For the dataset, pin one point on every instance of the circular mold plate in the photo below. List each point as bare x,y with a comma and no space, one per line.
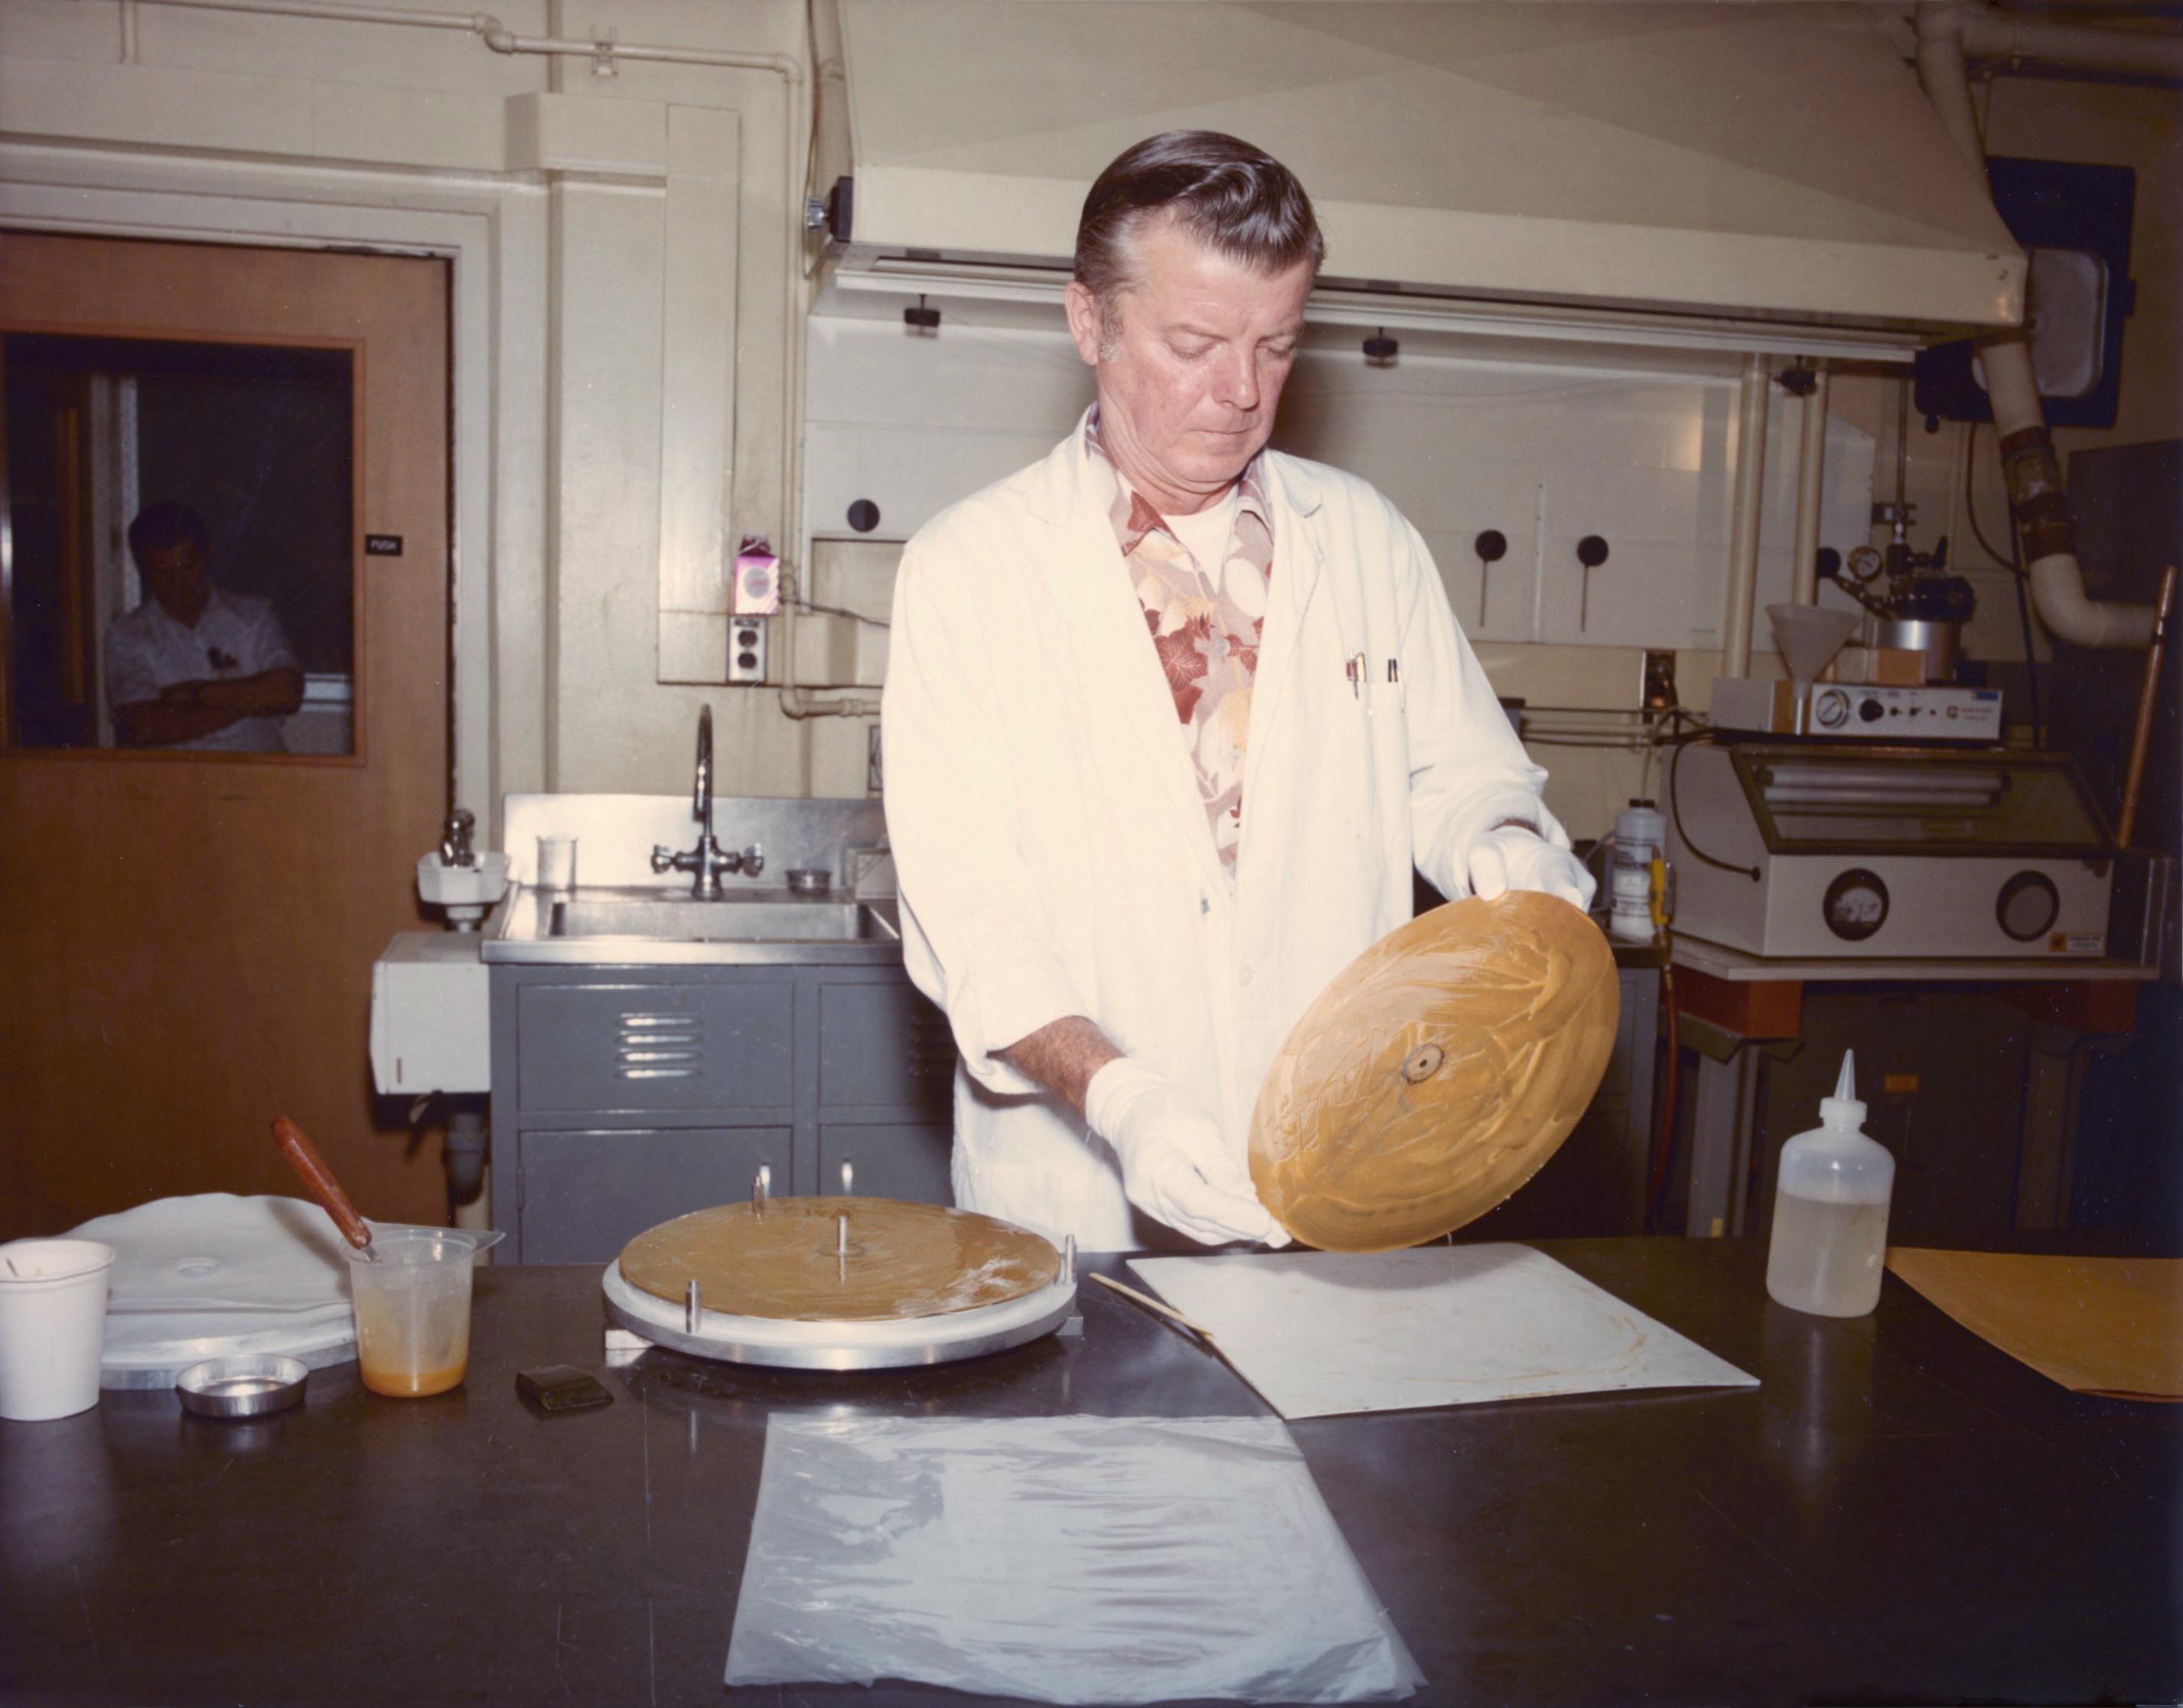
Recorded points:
1436,1074
839,1260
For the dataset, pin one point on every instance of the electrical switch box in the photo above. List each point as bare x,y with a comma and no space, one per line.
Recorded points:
431,1015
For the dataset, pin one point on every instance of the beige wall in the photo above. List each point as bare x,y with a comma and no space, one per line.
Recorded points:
2035,118
623,319
596,231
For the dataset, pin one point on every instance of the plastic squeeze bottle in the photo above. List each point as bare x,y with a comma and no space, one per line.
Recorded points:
1831,1210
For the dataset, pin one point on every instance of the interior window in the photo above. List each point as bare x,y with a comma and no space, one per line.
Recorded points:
175,545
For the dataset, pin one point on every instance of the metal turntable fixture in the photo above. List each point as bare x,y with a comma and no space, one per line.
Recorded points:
839,1283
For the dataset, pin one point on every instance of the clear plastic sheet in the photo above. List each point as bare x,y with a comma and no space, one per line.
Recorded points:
1061,1558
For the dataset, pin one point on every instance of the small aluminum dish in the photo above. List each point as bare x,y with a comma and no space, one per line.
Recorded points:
809,880
242,1386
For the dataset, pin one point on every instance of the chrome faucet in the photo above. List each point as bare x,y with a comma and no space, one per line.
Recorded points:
708,859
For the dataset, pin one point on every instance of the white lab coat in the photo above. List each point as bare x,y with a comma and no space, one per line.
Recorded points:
1054,856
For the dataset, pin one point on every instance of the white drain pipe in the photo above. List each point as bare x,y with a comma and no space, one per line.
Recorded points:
1743,523
2033,473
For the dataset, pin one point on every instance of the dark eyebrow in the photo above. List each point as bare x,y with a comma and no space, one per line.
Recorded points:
1190,332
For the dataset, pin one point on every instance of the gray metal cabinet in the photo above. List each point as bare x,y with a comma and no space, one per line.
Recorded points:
640,1046
584,1195
625,1096
889,1160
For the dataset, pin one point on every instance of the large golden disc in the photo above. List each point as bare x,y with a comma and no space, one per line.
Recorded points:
782,1258
1436,1074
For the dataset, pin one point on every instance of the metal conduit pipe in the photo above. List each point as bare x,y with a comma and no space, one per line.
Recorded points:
2033,473
1811,475
1743,538
1990,35
499,37
472,23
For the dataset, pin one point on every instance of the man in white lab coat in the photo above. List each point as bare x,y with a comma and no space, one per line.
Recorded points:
1169,718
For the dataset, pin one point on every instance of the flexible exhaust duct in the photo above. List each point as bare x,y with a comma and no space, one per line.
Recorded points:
2033,472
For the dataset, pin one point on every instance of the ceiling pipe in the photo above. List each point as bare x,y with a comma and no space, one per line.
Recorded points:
2017,40
2033,473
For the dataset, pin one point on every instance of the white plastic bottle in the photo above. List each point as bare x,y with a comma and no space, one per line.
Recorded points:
1831,1210
1640,832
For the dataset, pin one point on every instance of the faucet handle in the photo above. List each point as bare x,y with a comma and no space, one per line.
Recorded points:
753,860
455,842
663,858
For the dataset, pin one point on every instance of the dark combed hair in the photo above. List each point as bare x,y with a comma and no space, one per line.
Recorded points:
158,526
1231,197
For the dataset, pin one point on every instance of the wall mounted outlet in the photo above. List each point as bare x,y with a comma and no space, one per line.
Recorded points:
1657,692
746,649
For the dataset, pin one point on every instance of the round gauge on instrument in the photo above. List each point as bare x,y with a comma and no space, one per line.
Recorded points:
1830,708
1864,563
2027,906
1855,906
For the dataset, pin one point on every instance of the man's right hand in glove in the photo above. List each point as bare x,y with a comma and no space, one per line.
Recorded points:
1175,1165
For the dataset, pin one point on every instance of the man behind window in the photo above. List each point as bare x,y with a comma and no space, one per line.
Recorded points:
193,666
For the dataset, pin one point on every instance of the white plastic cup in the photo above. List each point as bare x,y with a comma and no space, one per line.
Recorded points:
556,861
53,1327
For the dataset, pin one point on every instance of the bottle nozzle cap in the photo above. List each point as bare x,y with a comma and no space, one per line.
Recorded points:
1843,1105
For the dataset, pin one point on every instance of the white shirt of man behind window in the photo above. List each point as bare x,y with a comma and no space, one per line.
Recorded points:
235,637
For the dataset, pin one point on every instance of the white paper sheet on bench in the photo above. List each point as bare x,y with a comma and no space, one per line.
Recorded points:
1320,1333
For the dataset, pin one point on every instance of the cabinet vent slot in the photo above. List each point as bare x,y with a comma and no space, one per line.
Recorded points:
661,1046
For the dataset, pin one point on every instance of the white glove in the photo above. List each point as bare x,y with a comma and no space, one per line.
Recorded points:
1175,1165
1516,857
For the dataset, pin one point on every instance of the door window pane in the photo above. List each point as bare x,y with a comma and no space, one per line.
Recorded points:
179,545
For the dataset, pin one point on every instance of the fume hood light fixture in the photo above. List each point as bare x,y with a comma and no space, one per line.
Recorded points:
1380,350
1626,331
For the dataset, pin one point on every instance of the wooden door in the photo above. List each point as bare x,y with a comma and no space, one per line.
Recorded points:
187,939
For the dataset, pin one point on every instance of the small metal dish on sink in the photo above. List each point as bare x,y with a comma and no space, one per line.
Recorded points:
809,880
242,1386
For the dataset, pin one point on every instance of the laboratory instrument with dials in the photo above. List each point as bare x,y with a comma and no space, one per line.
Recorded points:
1873,851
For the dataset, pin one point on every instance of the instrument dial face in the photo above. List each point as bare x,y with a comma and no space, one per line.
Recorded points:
2027,906
1855,906
1831,709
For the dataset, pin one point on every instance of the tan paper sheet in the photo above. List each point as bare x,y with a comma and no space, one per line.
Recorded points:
2096,1325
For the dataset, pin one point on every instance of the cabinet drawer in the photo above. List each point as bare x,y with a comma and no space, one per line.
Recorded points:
607,1048
586,1195
892,1160
883,1046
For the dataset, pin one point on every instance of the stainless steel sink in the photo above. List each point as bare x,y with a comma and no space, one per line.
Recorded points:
634,925
684,919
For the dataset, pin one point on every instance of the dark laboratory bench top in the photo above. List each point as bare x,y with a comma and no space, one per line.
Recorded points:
1899,1513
